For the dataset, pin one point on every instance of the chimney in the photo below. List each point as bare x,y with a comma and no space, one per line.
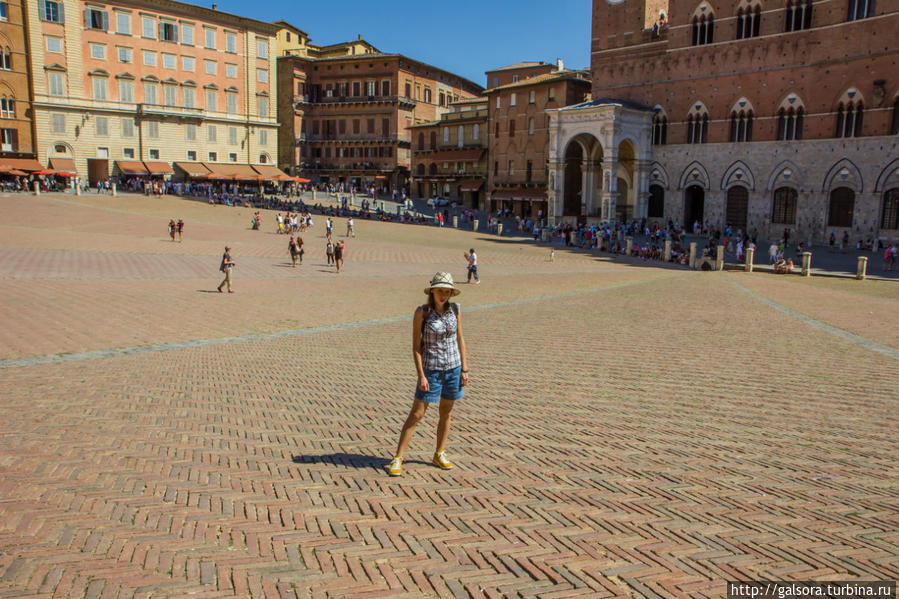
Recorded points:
560,66
215,7
360,37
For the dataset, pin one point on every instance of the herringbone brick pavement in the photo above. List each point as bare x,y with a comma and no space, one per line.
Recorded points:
637,432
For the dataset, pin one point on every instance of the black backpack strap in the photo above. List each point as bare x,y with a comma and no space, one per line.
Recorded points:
455,307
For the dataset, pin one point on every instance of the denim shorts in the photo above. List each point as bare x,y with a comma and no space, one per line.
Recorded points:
443,384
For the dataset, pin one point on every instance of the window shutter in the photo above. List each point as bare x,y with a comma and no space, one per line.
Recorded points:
105,21
87,17
175,32
14,137
42,9
159,35
62,12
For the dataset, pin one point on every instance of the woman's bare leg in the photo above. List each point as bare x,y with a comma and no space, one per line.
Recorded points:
415,415
443,426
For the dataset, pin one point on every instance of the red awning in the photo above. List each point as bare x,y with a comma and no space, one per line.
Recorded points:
472,185
193,169
63,164
131,167
159,168
22,164
473,155
271,173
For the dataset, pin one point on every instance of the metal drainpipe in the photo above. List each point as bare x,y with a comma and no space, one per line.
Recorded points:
23,7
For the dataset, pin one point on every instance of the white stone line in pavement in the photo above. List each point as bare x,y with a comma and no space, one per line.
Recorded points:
886,350
160,347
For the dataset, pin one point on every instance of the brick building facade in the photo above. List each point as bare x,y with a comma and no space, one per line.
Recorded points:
345,112
760,117
449,156
16,127
153,82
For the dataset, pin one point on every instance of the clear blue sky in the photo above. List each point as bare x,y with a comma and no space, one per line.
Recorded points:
465,37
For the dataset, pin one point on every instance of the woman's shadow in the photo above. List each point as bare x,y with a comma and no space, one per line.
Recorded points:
353,460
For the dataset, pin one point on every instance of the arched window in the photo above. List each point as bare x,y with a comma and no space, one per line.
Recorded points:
741,126
5,59
656,208
849,117
420,169
659,129
859,9
842,205
748,21
432,170
784,209
890,215
433,140
698,125
798,15
421,141
703,30
789,123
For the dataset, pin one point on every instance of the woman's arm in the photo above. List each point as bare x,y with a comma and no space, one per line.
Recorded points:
416,351
461,340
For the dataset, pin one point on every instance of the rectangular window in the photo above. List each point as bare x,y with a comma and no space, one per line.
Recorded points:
7,108
170,94
58,123
263,137
151,95
153,129
231,42
54,12
476,132
102,126
356,126
126,90
211,100
261,48
213,157
370,125
385,127
99,87
512,99
446,135
123,23
211,67
169,61
4,12
54,44
371,88
498,105
148,27
189,95
98,51
55,84
96,19
125,55
210,38
511,127
232,157
210,133
127,127
168,31
385,88
154,154
187,34
192,155
357,88
231,102
149,58
262,105
532,97
128,152
231,71
187,64
232,135
8,140
191,132
552,94
262,75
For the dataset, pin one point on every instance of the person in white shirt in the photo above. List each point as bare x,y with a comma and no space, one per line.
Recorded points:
349,227
473,266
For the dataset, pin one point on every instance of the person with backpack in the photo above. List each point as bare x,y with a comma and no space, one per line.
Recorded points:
438,351
329,251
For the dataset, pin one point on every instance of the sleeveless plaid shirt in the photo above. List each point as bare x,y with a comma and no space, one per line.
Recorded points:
439,345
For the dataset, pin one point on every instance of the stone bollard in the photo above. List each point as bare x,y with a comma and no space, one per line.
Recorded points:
499,229
750,255
806,264
455,222
313,196
114,190
37,188
474,224
667,250
719,259
628,245
693,260
353,199
543,235
77,190
862,271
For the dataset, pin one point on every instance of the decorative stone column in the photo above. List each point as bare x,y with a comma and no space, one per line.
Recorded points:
37,187
719,258
610,187
555,192
750,256
455,222
806,264
641,188
862,271
499,229
114,190
475,223
693,260
667,254
629,245
590,170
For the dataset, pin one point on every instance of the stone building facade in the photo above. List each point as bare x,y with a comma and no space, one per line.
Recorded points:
16,127
153,81
345,111
758,116
519,140
449,156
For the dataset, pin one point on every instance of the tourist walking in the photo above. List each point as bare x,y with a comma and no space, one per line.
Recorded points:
350,230
293,250
172,228
329,251
180,230
472,266
338,255
226,267
438,352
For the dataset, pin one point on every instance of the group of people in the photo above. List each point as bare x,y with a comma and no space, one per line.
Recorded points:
176,228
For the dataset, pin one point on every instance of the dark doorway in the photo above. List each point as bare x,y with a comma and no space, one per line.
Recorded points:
656,208
737,208
97,170
574,157
694,206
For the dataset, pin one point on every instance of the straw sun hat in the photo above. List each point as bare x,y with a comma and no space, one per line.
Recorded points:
442,280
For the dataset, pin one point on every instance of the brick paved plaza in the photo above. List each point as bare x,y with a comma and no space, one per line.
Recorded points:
629,430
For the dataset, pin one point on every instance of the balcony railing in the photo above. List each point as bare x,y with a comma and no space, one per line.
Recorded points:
325,100
352,166
355,138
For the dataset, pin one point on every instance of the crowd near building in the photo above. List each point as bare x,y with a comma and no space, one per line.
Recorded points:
755,116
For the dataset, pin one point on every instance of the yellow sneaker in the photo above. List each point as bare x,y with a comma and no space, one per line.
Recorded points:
396,467
441,462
